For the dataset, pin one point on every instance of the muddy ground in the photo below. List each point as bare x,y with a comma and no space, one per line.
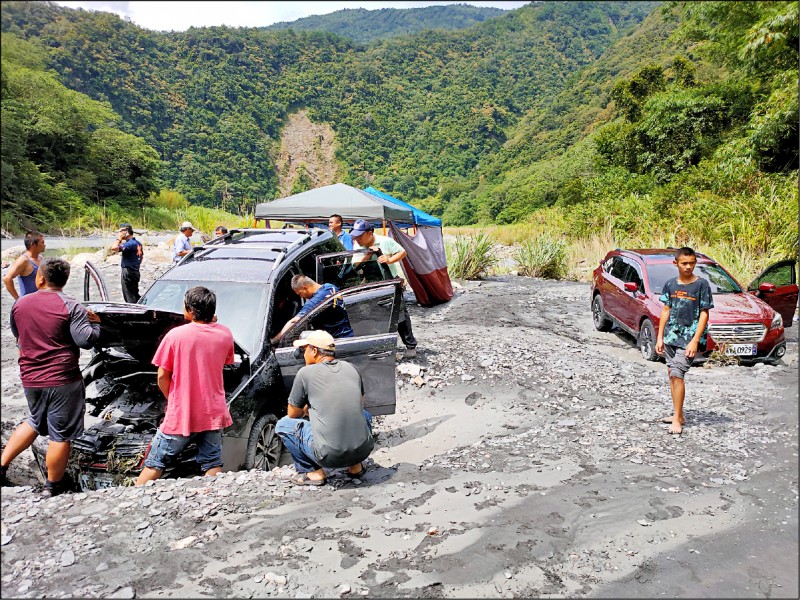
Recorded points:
526,459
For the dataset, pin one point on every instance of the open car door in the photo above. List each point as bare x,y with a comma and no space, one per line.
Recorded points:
94,284
373,310
777,286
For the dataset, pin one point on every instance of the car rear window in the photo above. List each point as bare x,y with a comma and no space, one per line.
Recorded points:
239,305
719,281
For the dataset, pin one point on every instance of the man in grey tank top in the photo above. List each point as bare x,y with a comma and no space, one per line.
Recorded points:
26,266
325,425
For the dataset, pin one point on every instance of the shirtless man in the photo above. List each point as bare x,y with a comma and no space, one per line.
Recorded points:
26,266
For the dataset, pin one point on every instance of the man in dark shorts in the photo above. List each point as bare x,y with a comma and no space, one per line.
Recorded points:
51,328
333,319
325,425
132,253
682,328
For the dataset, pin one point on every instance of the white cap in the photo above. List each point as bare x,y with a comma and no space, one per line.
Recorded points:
318,338
187,225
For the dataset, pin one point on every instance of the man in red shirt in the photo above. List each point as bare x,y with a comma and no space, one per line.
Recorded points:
190,360
51,328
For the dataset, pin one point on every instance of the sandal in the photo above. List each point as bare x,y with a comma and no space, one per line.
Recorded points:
303,479
359,474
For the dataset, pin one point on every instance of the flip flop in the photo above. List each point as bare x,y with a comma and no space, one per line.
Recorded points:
358,475
303,479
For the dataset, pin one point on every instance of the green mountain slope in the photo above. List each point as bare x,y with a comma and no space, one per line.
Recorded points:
410,113
365,26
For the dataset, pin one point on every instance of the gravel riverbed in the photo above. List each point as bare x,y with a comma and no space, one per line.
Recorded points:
526,458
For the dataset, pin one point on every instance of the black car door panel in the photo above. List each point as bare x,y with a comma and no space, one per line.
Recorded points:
373,356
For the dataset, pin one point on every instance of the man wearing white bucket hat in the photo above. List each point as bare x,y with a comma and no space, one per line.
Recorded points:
182,247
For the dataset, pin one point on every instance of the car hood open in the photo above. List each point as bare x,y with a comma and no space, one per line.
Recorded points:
133,328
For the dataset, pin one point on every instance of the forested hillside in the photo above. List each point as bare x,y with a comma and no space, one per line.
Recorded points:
644,122
410,114
365,26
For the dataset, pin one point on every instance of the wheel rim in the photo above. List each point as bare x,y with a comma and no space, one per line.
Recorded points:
647,341
597,312
268,449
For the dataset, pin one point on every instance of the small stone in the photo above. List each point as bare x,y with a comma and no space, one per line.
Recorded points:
467,377
75,520
566,423
343,590
6,539
101,567
67,558
508,575
184,543
644,523
165,496
142,525
126,592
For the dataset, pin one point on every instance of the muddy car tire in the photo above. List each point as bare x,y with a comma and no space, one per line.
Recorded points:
264,447
599,317
647,341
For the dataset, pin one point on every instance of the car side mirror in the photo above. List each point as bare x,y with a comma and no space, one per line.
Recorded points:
767,287
631,286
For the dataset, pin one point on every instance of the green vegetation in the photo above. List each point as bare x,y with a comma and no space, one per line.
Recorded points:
599,123
542,256
470,257
365,26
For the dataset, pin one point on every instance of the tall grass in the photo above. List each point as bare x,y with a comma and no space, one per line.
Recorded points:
542,256
470,256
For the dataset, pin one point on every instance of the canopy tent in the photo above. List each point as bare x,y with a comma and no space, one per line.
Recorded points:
320,203
425,263
420,217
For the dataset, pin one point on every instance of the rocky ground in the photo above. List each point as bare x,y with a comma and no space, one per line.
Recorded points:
526,459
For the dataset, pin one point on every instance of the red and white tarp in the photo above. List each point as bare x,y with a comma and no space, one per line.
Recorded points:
425,264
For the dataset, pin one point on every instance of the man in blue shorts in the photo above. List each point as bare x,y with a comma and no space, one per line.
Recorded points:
682,328
333,319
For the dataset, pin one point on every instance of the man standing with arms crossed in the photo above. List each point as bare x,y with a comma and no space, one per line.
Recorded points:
132,253
51,328
26,266
682,328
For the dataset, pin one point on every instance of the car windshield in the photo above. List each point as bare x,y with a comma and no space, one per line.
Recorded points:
239,305
719,281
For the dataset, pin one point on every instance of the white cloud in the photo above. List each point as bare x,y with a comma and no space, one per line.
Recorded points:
179,16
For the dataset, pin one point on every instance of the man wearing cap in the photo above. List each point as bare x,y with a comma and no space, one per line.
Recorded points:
182,247
391,254
132,252
336,431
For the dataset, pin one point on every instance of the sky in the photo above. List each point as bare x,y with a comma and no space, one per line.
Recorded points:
179,16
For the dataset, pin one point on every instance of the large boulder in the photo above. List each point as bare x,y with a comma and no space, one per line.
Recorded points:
79,260
11,254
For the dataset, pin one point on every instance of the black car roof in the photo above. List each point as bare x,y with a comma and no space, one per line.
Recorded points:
246,255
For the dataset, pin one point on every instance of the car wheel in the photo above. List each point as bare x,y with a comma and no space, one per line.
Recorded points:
264,447
647,341
599,317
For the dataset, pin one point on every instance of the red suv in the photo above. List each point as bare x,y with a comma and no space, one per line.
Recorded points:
749,324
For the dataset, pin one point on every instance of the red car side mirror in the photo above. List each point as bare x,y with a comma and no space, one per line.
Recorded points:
767,287
630,286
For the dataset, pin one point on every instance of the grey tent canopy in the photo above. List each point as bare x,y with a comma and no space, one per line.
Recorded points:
320,203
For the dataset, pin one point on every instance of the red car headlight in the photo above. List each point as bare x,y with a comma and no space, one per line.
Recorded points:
777,322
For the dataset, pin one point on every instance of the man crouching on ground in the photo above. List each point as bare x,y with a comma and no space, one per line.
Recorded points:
338,431
190,360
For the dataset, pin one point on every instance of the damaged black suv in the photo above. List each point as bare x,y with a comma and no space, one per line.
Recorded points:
250,272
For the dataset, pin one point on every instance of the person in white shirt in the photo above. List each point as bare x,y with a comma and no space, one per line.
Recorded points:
182,247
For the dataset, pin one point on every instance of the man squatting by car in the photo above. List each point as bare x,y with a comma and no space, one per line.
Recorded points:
330,393
50,328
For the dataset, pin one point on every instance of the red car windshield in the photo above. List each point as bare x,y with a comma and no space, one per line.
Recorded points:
719,281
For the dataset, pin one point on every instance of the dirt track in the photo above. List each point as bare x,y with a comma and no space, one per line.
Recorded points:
525,460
